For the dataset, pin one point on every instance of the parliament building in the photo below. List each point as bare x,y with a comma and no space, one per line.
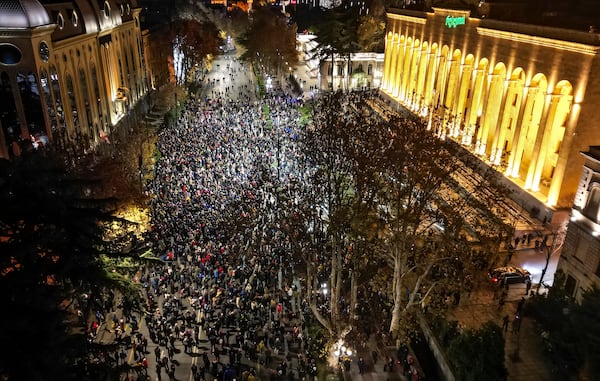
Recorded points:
521,97
69,71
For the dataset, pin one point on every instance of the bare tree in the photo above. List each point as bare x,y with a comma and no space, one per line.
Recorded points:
385,191
332,196
431,216
557,235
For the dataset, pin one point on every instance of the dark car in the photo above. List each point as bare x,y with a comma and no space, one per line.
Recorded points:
510,274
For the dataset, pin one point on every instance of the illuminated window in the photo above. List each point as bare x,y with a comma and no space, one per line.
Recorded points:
74,18
60,21
60,114
106,9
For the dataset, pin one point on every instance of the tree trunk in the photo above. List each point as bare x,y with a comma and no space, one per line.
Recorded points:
397,294
310,279
335,282
353,292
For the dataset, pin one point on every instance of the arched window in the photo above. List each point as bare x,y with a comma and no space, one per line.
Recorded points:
96,87
47,94
72,103
592,208
121,74
132,68
370,69
86,100
8,111
10,54
30,97
128,70
60,111
106,9
60,21
74,18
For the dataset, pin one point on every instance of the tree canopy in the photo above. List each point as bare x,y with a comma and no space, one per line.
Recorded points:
573,328
478,354
371,30
388,206
270,39
55,243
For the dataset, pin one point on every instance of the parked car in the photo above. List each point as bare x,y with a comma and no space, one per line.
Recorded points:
510,274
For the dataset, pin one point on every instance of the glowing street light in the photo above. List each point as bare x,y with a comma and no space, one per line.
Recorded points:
324,289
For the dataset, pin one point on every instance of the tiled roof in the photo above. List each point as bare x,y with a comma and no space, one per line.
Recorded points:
22,14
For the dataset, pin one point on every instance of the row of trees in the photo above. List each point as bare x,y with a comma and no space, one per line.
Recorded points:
341,31
383,203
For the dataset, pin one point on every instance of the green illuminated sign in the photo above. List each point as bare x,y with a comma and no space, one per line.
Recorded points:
453,22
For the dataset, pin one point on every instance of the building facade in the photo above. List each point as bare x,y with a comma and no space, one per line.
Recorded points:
580,256
520,97
360,71
69,71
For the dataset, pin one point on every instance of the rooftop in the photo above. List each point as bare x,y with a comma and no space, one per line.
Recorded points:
22,14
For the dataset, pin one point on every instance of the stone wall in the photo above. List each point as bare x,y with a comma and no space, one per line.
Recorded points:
436,349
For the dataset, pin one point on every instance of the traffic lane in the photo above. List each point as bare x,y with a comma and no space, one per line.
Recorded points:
229,71
534,261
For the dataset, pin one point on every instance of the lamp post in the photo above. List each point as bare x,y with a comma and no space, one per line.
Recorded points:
343,353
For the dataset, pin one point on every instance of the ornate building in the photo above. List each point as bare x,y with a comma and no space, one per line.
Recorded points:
580,256
361,71
69,71
521,97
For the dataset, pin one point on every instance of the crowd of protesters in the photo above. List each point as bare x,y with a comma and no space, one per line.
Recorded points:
226,293
214,198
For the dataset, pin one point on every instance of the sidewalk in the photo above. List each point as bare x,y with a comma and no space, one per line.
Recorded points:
523,351
375,368
308,82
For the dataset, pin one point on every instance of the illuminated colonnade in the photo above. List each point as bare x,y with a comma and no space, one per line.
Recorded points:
511,114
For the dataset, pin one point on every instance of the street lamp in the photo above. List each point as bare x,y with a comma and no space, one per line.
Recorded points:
324,289
342,353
